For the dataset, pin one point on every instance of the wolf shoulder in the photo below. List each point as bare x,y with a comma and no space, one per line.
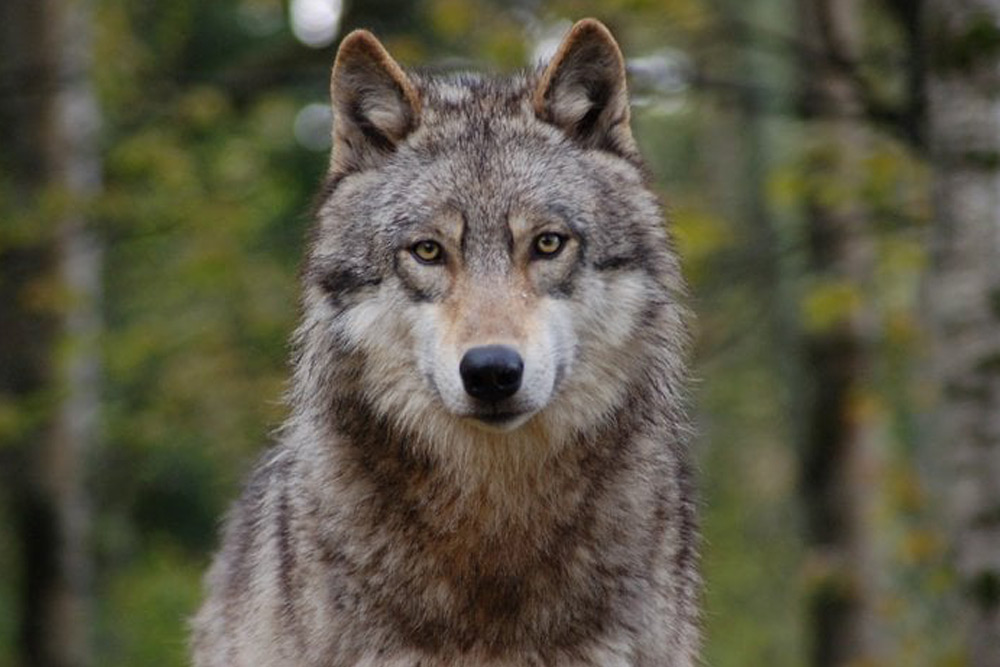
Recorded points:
249,578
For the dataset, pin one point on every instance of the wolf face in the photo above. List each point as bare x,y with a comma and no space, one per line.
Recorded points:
487,248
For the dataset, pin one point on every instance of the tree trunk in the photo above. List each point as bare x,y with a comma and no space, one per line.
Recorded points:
51,125
842,432
964,296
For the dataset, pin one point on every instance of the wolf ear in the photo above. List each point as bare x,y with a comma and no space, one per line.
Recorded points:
583,91
375,106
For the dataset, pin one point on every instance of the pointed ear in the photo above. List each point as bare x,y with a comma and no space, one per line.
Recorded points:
583,91
375,106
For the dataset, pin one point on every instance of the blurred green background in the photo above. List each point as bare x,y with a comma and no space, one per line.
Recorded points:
787,141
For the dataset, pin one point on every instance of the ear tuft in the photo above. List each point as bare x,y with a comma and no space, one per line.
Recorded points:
375,106
583,90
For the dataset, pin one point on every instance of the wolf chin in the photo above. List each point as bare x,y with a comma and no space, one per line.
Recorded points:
486,459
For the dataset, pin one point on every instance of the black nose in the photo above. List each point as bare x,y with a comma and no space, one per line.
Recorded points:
491,372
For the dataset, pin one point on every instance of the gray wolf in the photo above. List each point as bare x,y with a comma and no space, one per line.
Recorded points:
485,461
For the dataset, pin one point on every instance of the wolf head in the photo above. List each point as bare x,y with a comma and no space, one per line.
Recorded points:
487,257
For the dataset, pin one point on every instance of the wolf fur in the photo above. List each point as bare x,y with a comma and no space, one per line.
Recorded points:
402,521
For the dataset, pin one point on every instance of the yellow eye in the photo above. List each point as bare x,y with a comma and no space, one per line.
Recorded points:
428,252
548,244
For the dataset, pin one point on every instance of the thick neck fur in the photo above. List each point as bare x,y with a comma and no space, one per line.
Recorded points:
519,521
467,478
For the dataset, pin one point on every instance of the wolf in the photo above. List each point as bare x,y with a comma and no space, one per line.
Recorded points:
486,459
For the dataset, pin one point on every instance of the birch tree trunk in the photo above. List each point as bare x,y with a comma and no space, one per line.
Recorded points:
843,434
52,129
964,296
75,165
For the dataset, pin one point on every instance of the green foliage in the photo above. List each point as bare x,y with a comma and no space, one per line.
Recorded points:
754,584
985,590
975,42
146,607
480,29
9,587
204,216
699,236
829,303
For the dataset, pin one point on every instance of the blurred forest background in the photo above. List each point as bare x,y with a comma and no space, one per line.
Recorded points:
831,168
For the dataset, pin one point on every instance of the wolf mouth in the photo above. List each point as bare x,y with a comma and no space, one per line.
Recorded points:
502,421
497,417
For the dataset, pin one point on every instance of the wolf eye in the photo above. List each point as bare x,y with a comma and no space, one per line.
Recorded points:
428,252
548,244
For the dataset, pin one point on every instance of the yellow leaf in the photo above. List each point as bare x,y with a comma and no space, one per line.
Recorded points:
830,303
